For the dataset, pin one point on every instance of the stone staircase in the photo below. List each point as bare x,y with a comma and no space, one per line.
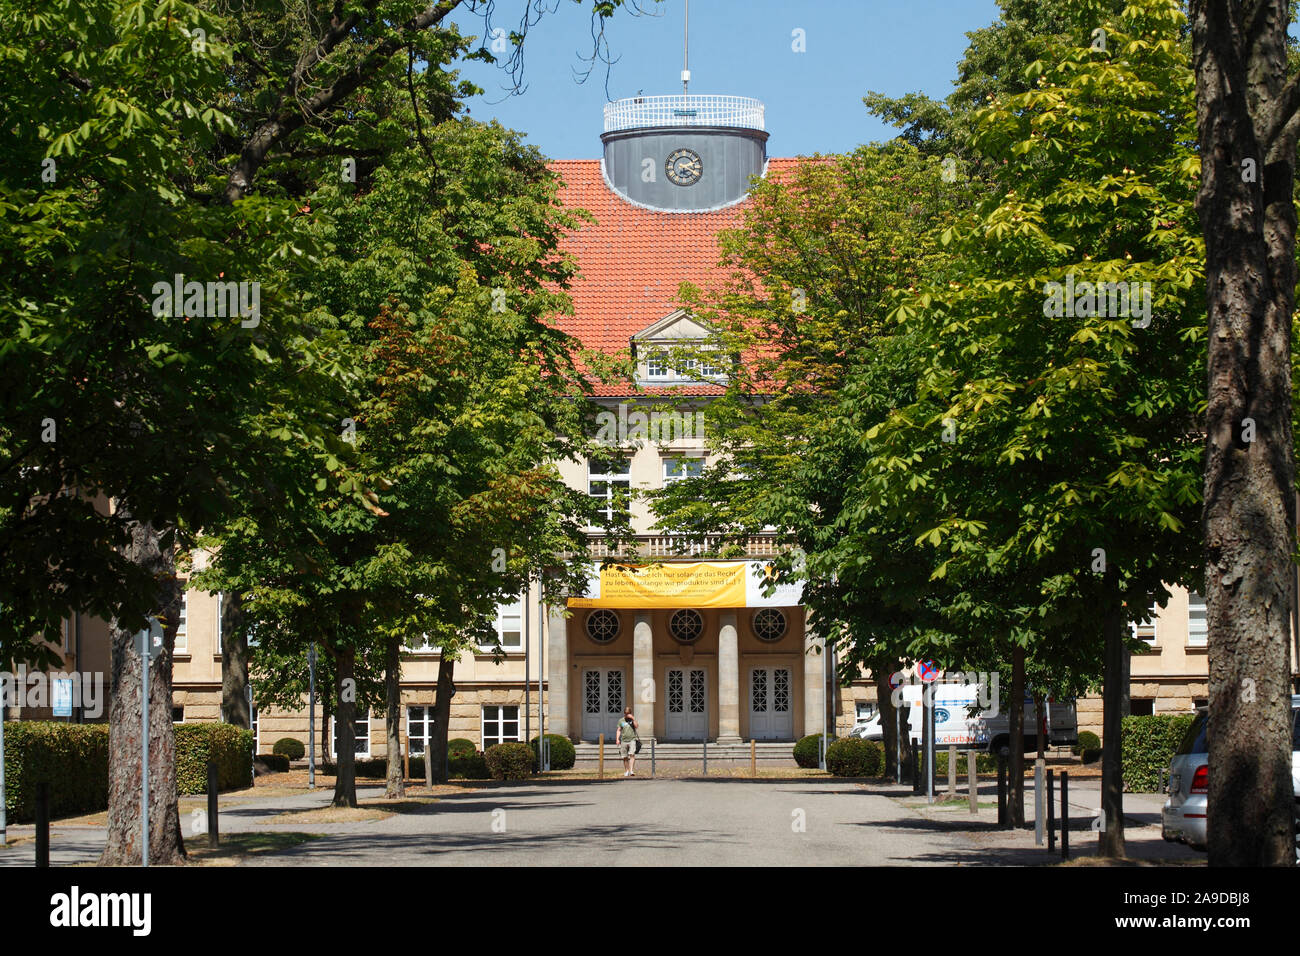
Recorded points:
687,757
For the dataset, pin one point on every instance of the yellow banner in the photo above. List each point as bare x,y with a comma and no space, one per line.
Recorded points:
703,584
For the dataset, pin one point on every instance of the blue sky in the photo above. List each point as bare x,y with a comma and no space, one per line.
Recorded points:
740,47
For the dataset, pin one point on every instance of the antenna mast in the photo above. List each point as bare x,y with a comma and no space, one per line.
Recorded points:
686,59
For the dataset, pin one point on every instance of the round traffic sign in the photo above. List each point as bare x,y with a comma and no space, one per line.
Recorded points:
928,671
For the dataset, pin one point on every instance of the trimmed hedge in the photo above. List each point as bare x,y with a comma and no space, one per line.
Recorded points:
230,746
461,745
808,748
512,761
291,747
1091,754
471,765
1087,741
563,754
854,757
273,763
1149,743
71,758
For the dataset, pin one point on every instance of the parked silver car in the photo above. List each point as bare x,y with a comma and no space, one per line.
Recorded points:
1183,815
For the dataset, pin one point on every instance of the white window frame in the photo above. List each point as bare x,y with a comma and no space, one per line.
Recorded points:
426,722
1199,637
610,480
659,366
1146,631
670,460
334,735
424,647
499,626
254,726
182,627
500,720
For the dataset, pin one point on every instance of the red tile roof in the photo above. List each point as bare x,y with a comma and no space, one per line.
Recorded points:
633,259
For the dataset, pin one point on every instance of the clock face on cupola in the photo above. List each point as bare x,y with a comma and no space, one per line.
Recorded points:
684,166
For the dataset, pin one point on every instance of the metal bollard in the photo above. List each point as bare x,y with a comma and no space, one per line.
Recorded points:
213,836
952,772
652,756
1065,814
43,824
1051,812
706,756
753,758
600,758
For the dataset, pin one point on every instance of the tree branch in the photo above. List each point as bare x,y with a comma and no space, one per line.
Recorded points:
276,128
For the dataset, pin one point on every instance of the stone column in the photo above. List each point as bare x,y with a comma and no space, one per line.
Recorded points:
728,679
814,681
557,673
642,694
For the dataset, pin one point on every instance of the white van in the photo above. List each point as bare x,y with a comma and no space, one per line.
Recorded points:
959,720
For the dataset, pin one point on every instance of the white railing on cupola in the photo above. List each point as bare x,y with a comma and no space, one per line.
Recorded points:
638,112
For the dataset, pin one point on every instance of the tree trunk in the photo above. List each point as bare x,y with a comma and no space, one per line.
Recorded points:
1016,763
436,751
1246,114
124,845
888,718
345,697
1114,693
234,662
396,785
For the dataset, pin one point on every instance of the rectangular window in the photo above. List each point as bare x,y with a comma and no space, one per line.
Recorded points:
500,724
252,724
509,625
419,729
1197,629
1146,630
178,714
423,647
675,469
362,731
610,480
1141,706
864,710
182,638
659,365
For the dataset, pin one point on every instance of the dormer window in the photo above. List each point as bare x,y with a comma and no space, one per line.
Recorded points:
661,367
677,350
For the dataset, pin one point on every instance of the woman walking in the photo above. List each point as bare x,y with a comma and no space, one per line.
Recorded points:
627,740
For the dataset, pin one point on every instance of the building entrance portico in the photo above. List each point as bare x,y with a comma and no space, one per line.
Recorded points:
695,649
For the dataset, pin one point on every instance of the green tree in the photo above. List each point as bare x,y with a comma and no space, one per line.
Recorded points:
1073,453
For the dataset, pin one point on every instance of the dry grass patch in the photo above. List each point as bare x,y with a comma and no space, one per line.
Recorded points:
234,848
328,815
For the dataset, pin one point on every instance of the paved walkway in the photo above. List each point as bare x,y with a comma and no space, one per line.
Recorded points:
643,822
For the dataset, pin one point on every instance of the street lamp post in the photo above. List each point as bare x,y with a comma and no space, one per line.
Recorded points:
311,716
